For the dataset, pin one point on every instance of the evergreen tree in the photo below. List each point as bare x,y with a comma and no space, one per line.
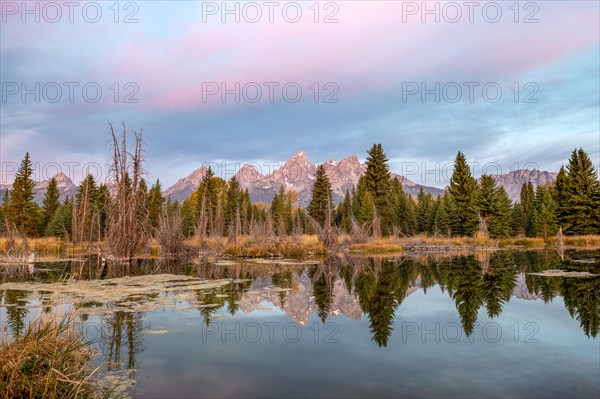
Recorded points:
441,219
561,195
581,208
155,204
528,203
403,209
102,206
290,204
60,224
424,210
50,204
233,202
22,209
398,203
4,210
485,197
518,219
378,182
461,192
501,224
277,205
246,211
344,214
494,206
207,197
357,196
321,202
544,218
187,218
367,210
87,213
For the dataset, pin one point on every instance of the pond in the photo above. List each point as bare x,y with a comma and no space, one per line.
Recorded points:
503,324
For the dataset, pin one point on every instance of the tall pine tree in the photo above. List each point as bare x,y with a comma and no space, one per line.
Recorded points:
425,206
461,192
494,205
22,209
50,204
233,203
580,211
544,217
378,182
155,204
207,197
561,194
344,214
321,202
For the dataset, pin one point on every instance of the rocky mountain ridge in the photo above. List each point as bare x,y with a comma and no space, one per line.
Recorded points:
297,174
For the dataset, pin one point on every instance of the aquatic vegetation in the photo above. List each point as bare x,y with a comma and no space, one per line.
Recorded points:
127,294
52,360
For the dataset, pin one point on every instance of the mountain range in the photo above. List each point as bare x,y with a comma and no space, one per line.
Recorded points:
298,174
65,186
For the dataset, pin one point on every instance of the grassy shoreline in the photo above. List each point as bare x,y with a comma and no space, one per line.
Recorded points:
52,359
295,246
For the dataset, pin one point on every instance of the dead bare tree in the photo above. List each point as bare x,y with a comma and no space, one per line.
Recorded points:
328,233
376,227
482,231
298,225
86,219
560,243
358,233
235,229
128,228
170,233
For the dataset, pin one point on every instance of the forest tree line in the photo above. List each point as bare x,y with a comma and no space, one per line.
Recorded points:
377,206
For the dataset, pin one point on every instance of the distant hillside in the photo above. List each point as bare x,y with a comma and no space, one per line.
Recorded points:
66,187
513,181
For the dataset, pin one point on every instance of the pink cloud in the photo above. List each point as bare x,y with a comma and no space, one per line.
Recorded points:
370,48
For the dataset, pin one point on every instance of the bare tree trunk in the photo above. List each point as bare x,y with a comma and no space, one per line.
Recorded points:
128,230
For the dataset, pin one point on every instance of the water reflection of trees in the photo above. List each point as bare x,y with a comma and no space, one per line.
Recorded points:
379,284
323,277
122,339
16,310
473,283
581,296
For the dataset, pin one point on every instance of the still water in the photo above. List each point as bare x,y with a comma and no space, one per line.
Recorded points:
468,326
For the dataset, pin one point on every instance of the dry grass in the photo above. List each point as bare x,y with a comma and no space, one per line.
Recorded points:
276,246
260,247
309,244
587,241
583,241
50,360
397,244
523,242
46,244
306,244
386,244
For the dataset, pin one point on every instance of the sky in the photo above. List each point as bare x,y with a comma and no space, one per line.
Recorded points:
513,85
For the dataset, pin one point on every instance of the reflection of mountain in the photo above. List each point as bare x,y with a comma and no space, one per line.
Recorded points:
521,291
299,303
